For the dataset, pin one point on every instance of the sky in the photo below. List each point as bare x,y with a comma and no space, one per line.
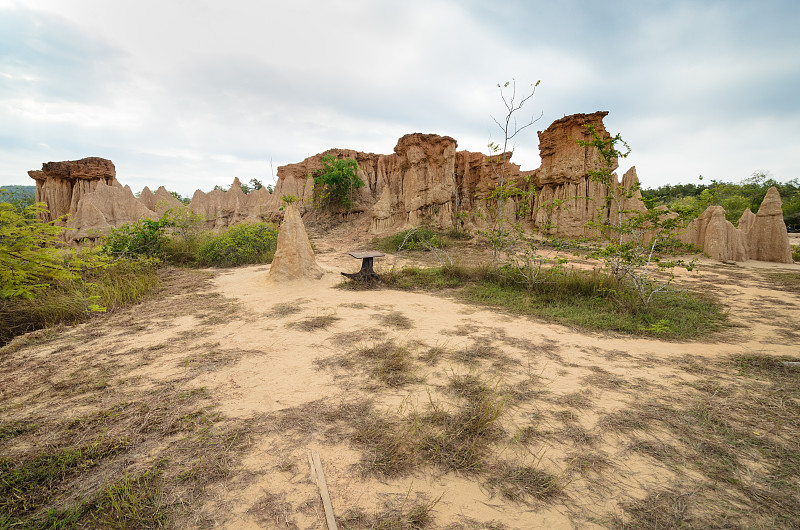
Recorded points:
192,93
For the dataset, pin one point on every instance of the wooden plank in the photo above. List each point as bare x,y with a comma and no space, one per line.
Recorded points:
369,254
311,466
323,491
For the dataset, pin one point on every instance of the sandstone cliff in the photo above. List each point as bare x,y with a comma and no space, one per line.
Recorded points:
424,180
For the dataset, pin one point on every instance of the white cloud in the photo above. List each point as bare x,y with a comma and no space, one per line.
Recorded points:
193,93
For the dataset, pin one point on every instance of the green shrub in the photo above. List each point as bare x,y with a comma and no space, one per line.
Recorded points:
143,238
796,253
239,245
335,182
417,238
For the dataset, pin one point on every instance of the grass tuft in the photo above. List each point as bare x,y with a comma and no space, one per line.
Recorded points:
521,483
390,363
314,323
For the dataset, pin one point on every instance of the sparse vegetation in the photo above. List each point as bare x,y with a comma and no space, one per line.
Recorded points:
589,300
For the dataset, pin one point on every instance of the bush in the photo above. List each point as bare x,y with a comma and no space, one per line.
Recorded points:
417,238
239,245
335,182
143,238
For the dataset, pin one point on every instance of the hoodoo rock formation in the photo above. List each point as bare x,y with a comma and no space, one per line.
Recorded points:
761,237
767,238
716,236
105,208
294,257
160,201
425,179
62,184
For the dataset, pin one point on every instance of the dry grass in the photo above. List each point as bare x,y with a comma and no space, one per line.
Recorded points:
399,515
525,483
273,511
315,323
285,309
395,319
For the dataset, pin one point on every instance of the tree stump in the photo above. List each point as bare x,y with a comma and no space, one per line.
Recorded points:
367,273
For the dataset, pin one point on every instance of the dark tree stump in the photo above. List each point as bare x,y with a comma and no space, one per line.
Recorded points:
367,273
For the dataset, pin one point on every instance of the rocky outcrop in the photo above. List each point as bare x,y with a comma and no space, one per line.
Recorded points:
761,237
426,180
61,185
766,235
567,198
716,236
105,208
294,257
421,184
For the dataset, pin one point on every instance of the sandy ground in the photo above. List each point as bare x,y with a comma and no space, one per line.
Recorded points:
259,363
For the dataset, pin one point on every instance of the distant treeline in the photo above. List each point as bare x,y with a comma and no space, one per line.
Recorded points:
690,200
22,195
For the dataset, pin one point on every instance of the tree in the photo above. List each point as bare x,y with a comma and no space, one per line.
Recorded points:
518,250
499,155
30,257
629,238
335,182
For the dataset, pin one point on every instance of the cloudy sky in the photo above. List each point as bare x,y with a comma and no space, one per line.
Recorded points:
192,93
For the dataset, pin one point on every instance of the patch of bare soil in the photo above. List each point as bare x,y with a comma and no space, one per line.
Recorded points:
426,412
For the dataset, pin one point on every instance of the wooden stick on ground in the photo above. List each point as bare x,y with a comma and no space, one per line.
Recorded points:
319,474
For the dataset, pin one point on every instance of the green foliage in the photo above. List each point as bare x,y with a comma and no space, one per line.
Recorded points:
239,245
253,185
290,198
796,253
335,182
29,259
144,238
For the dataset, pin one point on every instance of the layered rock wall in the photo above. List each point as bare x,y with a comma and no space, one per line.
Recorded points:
425,179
